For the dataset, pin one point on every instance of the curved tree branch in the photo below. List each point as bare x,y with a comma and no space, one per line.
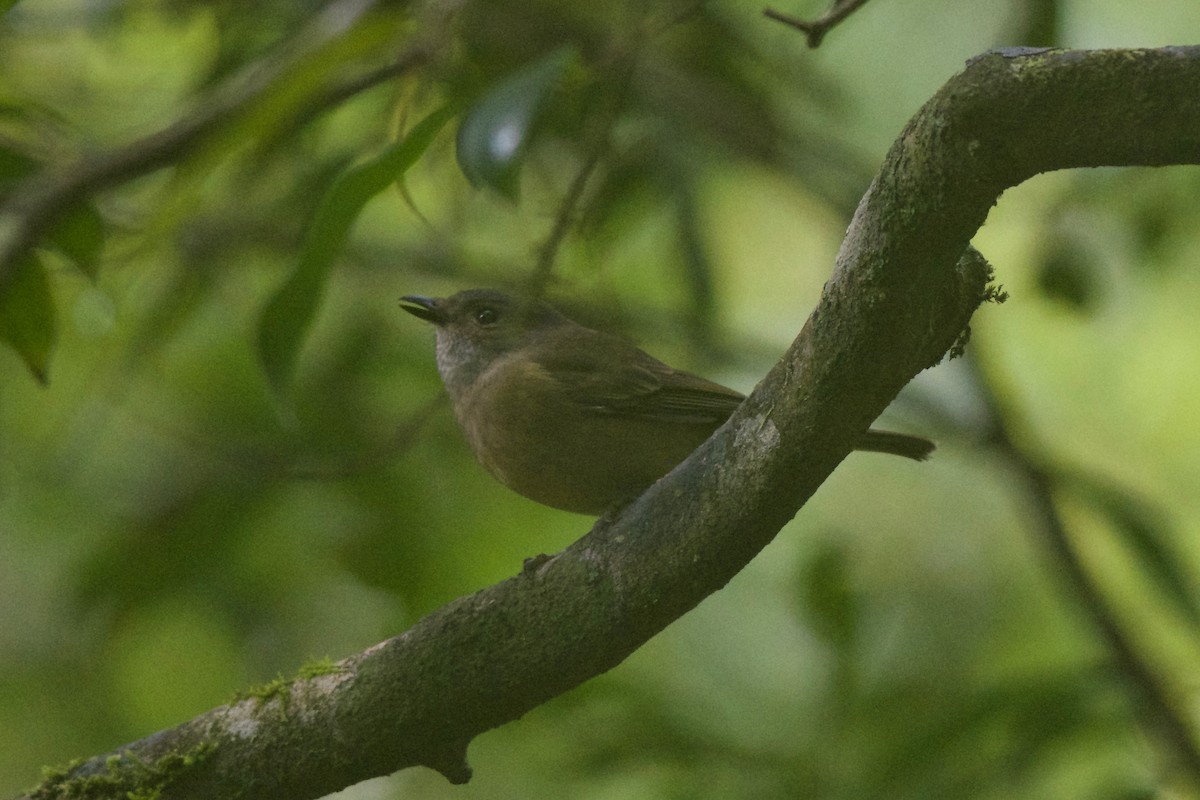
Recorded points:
904,287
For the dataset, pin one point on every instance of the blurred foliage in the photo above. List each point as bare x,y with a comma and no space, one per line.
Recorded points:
237,460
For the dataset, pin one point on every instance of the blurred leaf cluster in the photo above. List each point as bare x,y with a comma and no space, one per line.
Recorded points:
222,450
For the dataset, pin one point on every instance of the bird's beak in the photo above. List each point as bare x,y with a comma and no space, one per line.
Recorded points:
424,307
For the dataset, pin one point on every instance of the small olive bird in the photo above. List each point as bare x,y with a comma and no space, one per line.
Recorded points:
571,417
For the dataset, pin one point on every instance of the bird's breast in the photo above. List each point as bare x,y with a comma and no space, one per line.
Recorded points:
541,442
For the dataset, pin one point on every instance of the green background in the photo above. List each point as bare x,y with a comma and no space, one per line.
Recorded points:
174,529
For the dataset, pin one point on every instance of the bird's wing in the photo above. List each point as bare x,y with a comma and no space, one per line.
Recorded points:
628,382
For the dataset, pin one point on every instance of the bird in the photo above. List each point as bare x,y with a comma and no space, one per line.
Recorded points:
574,418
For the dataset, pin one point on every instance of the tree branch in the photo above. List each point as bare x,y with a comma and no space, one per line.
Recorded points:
903,289
40,200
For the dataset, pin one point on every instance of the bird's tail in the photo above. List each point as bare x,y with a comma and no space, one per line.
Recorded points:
897,444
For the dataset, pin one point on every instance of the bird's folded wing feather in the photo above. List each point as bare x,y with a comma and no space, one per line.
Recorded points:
637,385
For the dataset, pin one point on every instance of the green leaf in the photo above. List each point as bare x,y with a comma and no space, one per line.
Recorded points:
79,235
828,597
14,165
1147,532
289,313
494,135
1067,275
27,319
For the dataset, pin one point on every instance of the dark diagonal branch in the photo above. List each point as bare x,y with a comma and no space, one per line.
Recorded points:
1153,696
596,145
904,286
815,30
563,219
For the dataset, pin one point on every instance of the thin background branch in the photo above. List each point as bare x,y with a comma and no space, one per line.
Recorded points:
1153,696
567,208
815,30
38,202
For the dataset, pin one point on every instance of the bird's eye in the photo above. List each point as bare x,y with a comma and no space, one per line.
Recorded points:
486,316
